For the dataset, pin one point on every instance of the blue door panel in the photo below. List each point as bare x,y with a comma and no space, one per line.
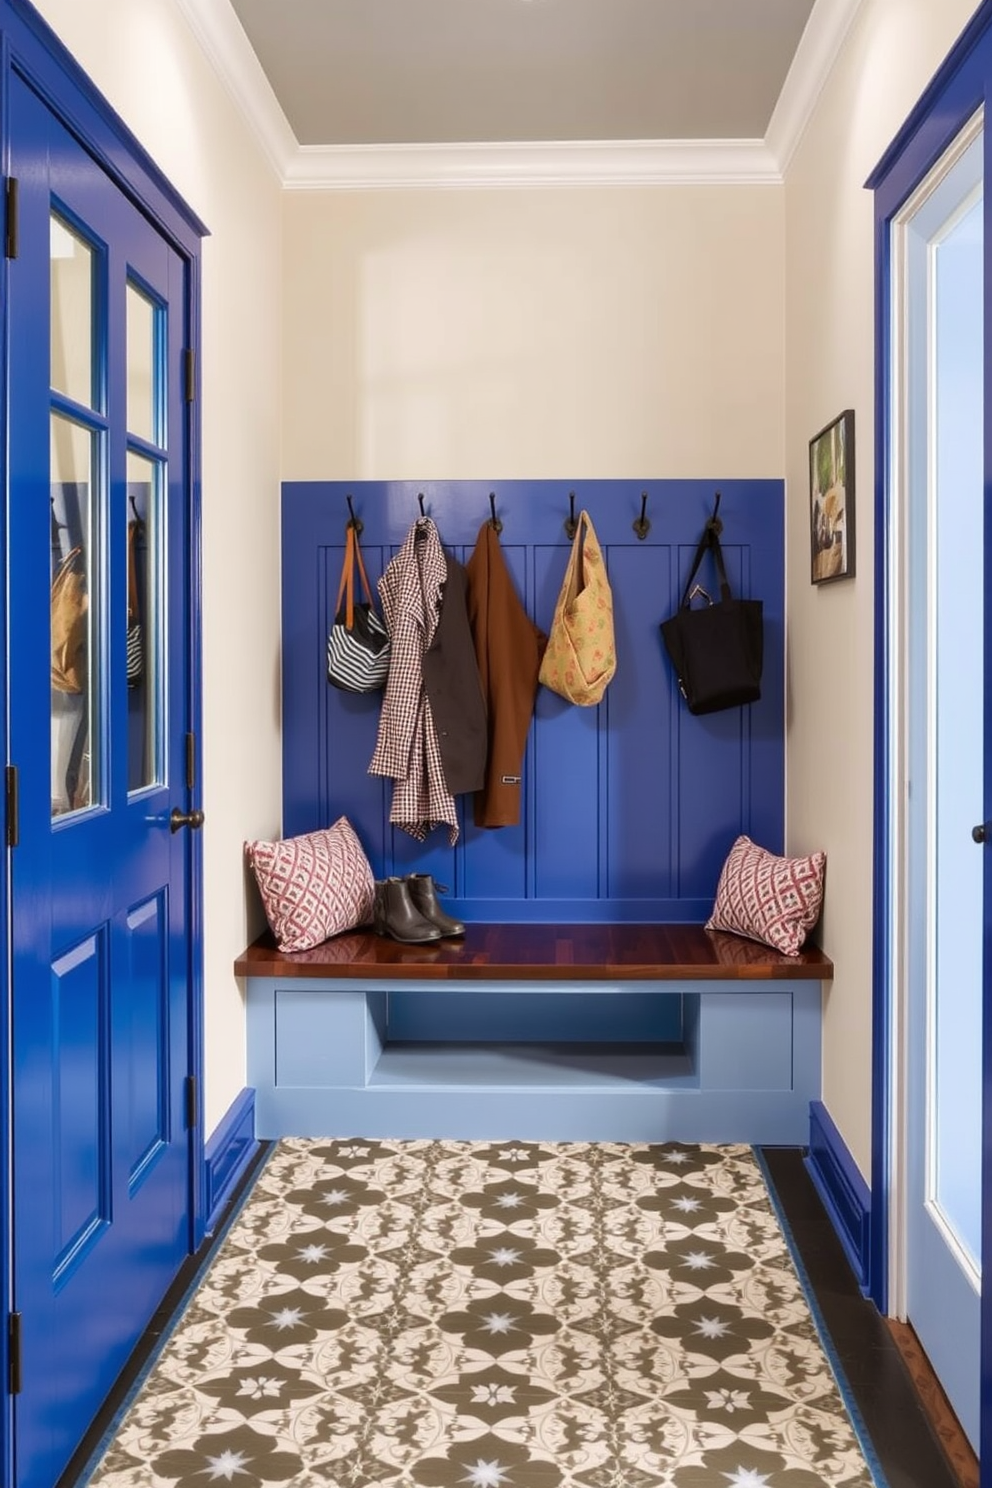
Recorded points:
80,1089
629,807
147,1051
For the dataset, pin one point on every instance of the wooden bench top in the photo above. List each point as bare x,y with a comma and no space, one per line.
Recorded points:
558,953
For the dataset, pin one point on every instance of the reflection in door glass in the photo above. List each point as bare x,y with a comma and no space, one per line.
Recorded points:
144,484
74,642
72,278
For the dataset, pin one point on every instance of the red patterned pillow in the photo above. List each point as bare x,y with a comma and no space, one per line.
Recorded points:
313,886
774,900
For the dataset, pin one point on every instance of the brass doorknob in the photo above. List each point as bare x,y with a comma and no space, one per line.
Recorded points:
191,819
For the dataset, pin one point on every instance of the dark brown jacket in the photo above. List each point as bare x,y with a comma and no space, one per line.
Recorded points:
454,691
508,647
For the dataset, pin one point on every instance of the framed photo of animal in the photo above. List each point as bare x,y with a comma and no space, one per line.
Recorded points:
831,500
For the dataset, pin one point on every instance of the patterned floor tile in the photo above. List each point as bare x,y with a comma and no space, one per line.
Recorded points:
496,1315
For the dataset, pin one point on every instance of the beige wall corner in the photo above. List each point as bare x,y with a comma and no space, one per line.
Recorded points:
147,63
572,333
892,50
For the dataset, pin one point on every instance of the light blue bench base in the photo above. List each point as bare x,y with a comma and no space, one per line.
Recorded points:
743,1064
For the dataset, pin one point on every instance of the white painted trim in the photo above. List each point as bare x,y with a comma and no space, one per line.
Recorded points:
222,39
894,918
818,49
530,163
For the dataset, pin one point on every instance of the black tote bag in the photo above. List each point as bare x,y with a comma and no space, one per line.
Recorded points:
717,650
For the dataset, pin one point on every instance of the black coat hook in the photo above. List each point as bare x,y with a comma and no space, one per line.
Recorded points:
420,498
714,524
354,521
642,526
57,526
134,509
571,521
494,520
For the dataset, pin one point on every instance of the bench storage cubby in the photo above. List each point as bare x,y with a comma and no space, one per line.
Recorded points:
553,1032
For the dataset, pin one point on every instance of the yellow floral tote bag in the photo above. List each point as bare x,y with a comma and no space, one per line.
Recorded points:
581,653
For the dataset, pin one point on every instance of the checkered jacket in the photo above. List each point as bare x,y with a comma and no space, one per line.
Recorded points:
407,746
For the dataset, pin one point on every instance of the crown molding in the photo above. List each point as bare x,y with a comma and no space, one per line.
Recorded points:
530,163
818,49
222,38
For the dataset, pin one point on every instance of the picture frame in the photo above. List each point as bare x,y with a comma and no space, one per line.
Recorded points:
831,500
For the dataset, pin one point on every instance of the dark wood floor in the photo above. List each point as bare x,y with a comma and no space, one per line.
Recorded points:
906,1441
880,1362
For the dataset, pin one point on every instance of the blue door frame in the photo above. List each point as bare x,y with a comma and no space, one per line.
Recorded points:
962,85
29,49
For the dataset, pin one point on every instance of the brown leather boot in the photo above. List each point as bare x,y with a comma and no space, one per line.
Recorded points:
423,893
395,914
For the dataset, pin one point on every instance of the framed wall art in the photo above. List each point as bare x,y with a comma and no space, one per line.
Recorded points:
831,500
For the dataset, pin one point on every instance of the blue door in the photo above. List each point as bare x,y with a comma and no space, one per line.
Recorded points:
98,565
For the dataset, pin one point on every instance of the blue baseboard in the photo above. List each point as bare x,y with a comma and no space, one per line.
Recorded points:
845,1194
228,1152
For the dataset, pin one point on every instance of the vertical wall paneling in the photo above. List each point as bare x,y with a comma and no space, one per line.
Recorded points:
628,808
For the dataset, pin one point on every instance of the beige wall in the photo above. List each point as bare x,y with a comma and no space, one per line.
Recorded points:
558,333
535,333
830,366
146,62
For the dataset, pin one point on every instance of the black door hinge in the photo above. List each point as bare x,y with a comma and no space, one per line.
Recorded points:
190,761
192,1114
12,806
189,374
14,1353
11,234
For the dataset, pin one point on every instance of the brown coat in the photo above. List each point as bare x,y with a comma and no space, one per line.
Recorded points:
508,648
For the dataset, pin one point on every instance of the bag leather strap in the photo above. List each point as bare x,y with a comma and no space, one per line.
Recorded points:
709,542
361,569
132,573
346,588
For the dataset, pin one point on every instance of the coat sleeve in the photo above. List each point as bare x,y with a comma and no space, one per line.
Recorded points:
509,647
399,589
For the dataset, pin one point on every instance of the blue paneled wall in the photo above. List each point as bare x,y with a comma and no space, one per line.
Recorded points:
629,807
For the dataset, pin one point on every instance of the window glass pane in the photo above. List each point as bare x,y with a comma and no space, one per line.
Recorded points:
144,620
958,771
142,383
75,648
72,279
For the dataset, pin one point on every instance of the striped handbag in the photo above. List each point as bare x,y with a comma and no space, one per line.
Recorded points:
357,642
135,636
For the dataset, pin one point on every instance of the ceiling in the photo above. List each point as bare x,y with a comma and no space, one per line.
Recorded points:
406,72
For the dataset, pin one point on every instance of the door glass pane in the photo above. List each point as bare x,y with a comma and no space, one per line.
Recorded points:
73,357
144,619
957,423
142,383
75,646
